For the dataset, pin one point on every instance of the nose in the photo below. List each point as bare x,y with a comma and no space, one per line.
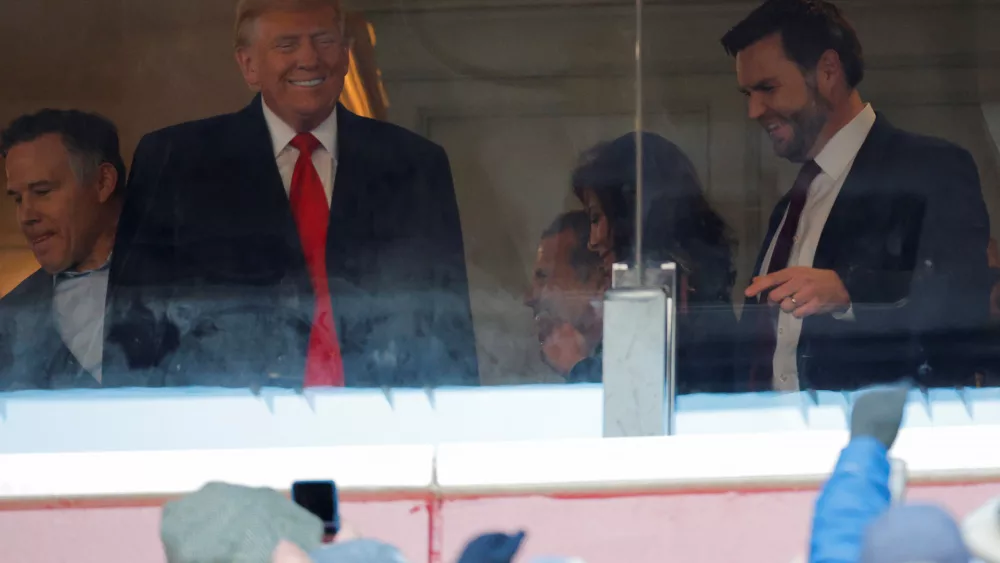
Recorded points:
594,242
27,214
307,55
530,297
755,107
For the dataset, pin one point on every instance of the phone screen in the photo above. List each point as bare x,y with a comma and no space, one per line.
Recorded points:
320,498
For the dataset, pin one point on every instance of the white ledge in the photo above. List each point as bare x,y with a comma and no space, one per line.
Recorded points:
721,461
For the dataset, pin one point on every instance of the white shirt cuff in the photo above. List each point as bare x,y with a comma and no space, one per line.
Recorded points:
847,315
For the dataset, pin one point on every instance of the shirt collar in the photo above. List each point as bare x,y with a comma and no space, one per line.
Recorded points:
71,274
282,133
841,149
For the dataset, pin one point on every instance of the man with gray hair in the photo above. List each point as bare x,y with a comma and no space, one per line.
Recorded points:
294,243
64,176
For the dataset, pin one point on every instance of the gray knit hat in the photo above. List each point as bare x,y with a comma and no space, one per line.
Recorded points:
224,523
908,533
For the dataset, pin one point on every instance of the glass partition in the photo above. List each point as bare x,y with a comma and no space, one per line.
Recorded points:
481,180
455,252
879,262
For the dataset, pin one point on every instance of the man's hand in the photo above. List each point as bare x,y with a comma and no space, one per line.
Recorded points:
288,552
347,533
564,347
803,291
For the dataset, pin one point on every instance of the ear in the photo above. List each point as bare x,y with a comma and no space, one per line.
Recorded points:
248,66
345,56
829,68
107,182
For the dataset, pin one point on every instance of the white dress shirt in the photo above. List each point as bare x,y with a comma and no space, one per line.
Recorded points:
78,311
835,161
324,157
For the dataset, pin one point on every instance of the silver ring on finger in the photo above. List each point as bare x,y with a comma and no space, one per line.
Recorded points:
794,302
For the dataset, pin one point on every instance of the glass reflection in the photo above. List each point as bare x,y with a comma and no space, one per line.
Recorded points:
410,198
679,226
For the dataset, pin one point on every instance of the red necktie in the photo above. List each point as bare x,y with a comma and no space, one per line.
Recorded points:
324,367
763,367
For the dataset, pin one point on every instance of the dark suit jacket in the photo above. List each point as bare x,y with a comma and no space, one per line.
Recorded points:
907,235
32,353
209,283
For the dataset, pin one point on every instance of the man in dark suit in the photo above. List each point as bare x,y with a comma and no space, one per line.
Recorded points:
291,243
874,265
63,169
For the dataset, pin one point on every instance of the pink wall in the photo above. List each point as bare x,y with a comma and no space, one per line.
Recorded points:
709,527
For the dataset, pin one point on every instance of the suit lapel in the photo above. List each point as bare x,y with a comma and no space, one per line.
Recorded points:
772,228
347,209
252,154
845,215
41,335
41,313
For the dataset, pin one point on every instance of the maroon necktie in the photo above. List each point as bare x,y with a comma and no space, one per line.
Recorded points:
767,321
324,366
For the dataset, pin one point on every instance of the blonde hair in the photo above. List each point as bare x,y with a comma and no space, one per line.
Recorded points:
247,12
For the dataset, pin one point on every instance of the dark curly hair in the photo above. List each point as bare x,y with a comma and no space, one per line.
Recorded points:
678,223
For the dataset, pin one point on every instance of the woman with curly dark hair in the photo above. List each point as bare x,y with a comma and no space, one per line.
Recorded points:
678,226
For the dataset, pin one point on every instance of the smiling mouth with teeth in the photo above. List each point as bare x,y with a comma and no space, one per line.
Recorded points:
307,83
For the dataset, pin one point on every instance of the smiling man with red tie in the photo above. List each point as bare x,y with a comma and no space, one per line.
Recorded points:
292,243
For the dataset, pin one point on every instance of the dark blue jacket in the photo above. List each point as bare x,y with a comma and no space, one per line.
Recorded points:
907,236
208,248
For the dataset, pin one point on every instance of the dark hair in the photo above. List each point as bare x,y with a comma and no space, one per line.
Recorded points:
585,261
89,137
808,29
678,223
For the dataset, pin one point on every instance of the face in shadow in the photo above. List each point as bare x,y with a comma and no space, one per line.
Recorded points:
565,296
601,236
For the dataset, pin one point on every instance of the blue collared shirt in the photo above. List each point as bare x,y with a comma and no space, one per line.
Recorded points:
78,304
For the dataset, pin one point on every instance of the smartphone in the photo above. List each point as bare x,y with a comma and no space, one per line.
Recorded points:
320,498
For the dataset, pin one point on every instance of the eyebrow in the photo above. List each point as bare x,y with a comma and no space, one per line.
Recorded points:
298,36
32,186
759,85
